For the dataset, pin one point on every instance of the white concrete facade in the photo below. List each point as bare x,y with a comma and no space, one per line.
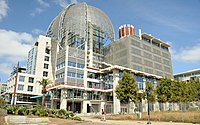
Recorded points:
27,84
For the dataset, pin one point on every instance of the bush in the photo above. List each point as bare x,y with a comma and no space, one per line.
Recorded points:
61,112
52,115
12,110
62,116
76,118
22,111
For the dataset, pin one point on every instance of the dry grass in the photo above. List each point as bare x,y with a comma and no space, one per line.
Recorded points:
119,117
188,117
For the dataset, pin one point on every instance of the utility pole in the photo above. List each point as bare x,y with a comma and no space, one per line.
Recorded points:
148,93
15,86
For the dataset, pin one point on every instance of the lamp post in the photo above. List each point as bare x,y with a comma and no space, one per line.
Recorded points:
148,93
15,85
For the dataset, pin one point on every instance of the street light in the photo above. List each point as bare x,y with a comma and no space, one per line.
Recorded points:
15,85
148,93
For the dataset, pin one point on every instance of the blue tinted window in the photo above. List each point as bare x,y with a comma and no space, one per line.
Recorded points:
80,65
73,64
21,78
79,75
71,74
139,82
120,74
150,80
21,87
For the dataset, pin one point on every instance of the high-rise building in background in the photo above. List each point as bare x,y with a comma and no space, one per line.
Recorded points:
85,63
23,82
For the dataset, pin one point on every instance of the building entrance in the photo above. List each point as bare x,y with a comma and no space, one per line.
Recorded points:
77,106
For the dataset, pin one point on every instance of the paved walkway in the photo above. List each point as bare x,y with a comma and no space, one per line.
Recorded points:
95,121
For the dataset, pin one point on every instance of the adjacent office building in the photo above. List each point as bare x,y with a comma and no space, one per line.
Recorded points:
188,75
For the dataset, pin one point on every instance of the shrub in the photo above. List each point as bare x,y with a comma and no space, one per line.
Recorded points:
52,115
76,118
12,110
62,116
22,111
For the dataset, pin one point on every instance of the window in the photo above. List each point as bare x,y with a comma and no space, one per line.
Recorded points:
45,73
80,66
73,64
46,58
148,48
30,88
21,87
46,66
79,75
21,78
31,80
139,82
71,74
47,51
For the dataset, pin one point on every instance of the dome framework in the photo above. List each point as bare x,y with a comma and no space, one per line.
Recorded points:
75,18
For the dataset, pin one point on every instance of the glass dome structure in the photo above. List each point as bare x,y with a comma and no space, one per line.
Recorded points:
76,18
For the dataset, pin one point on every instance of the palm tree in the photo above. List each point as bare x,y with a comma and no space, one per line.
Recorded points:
44,83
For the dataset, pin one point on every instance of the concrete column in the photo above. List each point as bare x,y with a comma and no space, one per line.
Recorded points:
131,107
102,106
144,83
156,106
116,102
144,105
91,47
84,107
63,100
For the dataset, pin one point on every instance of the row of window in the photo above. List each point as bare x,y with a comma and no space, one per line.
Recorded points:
22,79
148,48
155,44
74,64
72,74
21,88
149,56
31,79
61,65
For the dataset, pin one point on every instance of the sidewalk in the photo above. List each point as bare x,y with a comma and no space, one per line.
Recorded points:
126,122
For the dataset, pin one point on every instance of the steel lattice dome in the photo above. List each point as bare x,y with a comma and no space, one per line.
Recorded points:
75,18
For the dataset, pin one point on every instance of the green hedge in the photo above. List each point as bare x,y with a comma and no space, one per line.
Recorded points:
54,113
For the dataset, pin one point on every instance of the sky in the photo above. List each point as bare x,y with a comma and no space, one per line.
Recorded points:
176,22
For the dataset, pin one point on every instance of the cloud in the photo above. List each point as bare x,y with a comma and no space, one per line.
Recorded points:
74,1
5,68
64,3
188,54
43,4
42,7
38,32
14,47
3,9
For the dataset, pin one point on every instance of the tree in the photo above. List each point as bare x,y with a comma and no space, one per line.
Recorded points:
176,91
44,83
127,90
152,95
163,90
